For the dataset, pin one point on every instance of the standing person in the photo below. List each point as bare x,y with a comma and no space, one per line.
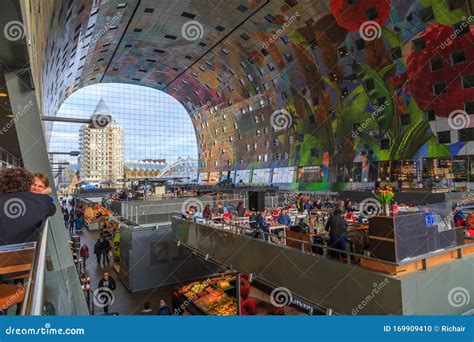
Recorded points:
164,309
98,250
15,189
66,217
105,248
147,310
400,184
337,228
84,253
378,183
71,223
106,296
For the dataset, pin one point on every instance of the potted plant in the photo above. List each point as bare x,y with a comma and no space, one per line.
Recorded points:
385,196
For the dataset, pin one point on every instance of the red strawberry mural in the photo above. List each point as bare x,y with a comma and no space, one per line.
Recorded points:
438,61
351,16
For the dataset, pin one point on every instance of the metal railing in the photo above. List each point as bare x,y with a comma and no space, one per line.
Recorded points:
326,250
34,295
158,212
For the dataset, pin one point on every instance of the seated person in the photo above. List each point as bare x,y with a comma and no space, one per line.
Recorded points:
308,206
207,212
284,218
221,209
240,209
458,216
253,220
349,207
24,211
189,213
262,224
318,204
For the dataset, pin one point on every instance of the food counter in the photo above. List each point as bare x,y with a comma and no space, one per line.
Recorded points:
211,296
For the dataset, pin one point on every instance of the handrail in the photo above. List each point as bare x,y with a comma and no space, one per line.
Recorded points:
34,295
325,248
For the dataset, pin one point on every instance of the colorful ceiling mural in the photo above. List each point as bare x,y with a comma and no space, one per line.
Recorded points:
278,83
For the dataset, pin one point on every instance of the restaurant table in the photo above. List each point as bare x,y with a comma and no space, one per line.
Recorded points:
217,217
16,260
273,230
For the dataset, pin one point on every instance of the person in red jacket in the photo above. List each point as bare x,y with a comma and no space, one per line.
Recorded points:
84,253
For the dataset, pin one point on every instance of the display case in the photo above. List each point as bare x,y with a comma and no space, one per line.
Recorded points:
210,296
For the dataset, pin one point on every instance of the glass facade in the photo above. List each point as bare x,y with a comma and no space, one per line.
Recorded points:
155,125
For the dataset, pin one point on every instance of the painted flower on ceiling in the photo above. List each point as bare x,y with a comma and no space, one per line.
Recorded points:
352,16
438,62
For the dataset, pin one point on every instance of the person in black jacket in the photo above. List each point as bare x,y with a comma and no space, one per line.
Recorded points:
98,250
337,228
105,248
22,212
105,289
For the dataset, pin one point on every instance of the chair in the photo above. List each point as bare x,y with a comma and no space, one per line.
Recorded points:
296,244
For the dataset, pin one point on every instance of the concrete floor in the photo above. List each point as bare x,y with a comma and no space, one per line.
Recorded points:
125,303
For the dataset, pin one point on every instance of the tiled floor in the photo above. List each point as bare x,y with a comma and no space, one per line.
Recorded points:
125,303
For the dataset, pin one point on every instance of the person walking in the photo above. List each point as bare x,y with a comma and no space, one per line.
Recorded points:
105,291
66,217
164,309
98,250
105,248
84,253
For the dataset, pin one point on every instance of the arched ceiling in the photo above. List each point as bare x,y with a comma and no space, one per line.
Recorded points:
311,58
82,42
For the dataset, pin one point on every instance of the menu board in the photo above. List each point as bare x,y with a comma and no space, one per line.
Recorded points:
283,175
203,178
261,176
214,177
243,175
310,174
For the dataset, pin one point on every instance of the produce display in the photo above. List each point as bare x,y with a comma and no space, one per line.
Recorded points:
211,295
